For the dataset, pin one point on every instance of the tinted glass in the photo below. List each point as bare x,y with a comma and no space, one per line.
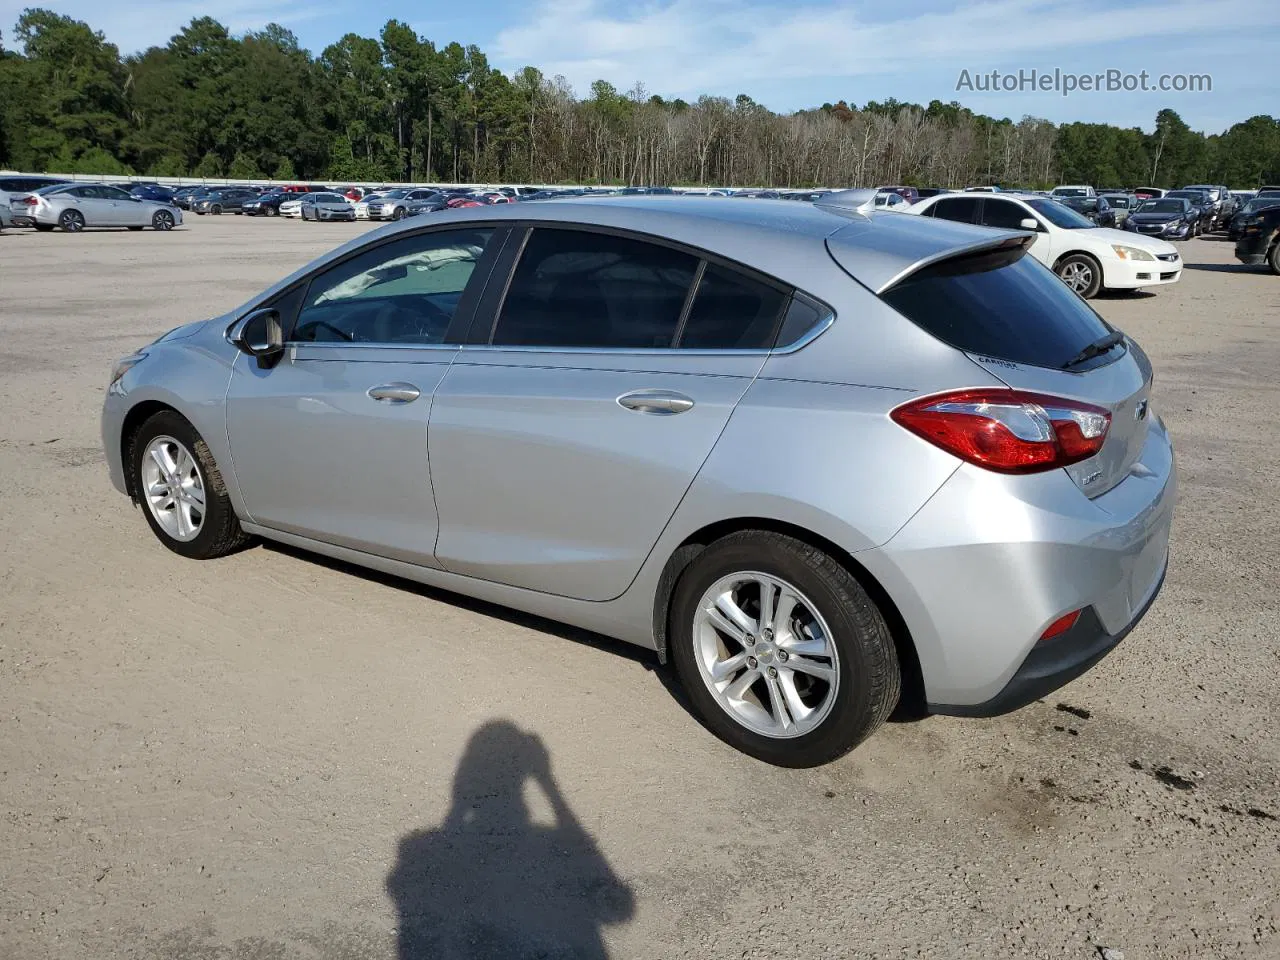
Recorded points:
577,289
406,291
114,193
802,316
1162,206
999,304
1003,214
963,209
732,312
1060,215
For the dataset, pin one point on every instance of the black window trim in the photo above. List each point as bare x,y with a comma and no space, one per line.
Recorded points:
462,318
492,302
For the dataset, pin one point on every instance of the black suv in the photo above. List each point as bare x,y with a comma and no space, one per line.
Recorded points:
1260,241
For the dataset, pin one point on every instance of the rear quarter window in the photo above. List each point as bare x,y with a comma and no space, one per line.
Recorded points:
999,304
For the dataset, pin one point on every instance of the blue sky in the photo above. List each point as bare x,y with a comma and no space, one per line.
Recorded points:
789,55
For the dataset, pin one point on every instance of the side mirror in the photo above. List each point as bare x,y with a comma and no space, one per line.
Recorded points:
1030,223
261,335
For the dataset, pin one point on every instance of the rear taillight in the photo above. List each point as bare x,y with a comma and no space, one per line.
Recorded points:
1009,431
31,201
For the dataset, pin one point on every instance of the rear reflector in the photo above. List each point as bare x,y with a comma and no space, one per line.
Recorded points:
1008,431
1061,625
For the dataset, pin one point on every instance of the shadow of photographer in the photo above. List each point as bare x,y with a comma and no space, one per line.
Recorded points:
490,882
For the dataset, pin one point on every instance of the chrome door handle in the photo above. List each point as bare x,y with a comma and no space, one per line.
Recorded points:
660,403
395,393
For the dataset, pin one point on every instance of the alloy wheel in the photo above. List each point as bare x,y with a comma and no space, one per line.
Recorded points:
72,221
163,220
766,655
173,487
1077,275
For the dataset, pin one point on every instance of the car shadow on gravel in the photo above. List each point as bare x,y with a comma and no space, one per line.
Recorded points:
647,659
490,881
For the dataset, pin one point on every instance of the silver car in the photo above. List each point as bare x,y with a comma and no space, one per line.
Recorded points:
823,460
327,206
76,206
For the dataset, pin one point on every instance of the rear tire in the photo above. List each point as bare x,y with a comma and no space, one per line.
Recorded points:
217,532
842,631
1081,273
72,221
1273,258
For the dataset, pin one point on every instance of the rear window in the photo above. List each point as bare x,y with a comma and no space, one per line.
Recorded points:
999,304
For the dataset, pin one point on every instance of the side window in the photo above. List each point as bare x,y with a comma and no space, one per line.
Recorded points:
802,316
1003,214
572,288
112,193
732,311
85,193
406,291
963,209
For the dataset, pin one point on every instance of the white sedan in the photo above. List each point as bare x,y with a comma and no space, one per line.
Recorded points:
292,208
1087,258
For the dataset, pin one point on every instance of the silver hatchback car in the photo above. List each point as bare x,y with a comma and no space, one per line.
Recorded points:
823,459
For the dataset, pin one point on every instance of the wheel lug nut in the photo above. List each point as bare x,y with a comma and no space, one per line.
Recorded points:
773,673
783,656
752,662
766,634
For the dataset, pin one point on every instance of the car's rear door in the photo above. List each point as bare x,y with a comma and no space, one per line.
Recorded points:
331,443
564,437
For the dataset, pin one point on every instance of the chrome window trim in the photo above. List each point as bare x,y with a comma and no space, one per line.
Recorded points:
817,330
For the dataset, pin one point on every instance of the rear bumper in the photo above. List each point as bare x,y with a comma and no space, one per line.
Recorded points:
1252,249
1054,663
985,566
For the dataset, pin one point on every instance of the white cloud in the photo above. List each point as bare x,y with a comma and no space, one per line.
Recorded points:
134,26
685,47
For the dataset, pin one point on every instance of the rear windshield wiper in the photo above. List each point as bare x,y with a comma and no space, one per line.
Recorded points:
1095,349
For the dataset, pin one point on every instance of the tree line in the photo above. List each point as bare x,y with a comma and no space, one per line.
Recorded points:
402,108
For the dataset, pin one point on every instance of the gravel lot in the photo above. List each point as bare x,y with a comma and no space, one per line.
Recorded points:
273,756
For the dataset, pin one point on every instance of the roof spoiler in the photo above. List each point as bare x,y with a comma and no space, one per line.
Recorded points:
849,201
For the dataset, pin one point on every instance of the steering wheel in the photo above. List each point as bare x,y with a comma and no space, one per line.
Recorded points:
342,334
414,325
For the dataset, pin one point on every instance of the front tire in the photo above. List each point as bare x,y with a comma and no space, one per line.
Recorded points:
398,214
271,211
162,221
72,221
1081,273
782,652
216,210
182,493
1273,258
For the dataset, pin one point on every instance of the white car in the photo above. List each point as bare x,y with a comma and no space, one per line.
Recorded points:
292,208
888,200
1073,190
362,205
1087,258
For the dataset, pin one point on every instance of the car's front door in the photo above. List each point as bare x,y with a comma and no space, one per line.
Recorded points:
331,443
562,443
127,211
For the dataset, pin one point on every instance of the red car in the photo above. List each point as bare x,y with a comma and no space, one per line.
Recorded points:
456,202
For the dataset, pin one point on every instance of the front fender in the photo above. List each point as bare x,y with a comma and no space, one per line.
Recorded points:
191,376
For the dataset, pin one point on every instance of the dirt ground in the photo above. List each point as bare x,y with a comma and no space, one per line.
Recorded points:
273,756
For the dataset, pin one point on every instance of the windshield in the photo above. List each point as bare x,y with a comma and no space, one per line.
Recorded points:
1259,203
1070,192
395,194
1060,215
1121,202
1193,195
1161,206
1080,203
